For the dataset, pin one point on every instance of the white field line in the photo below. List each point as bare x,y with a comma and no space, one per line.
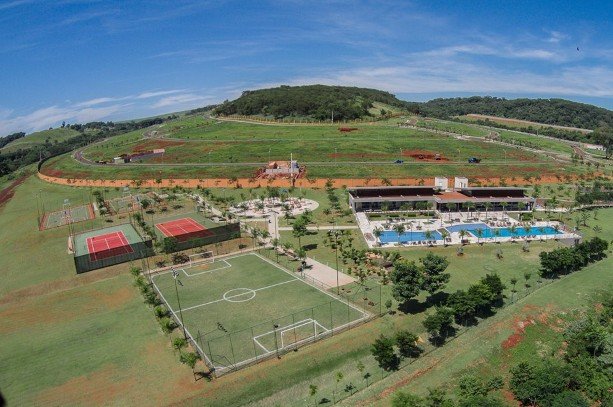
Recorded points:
224,266
177,318
196,264
260,345
239,295
342,300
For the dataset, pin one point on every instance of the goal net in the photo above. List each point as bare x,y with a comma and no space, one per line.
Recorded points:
300,332
201,258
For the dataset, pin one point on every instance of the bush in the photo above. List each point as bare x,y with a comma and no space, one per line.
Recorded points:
167,324
189,358
160,311
135,271
179,343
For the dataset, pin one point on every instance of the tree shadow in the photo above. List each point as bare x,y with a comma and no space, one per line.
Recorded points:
412,306
438,298
311,246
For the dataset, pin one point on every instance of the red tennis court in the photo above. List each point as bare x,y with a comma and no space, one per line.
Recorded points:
183,229
108,245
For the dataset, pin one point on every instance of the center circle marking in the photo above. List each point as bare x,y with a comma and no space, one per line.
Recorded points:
239,295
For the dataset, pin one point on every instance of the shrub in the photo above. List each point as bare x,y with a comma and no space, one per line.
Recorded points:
160,311
167,324
189,358
179,343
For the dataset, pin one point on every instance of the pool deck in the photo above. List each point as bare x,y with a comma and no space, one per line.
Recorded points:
491,219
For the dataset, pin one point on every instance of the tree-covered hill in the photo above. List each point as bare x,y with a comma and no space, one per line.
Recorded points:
558,112
316,101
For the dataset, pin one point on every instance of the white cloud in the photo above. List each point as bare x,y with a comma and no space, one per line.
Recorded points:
556,36
147,95
181,100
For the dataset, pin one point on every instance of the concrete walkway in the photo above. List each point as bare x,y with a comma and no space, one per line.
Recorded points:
326,274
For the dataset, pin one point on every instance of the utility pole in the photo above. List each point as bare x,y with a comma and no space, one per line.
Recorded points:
175,274
332,117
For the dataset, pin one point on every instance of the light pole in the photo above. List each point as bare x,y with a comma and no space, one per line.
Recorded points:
175,274
269,154
335,233
335,155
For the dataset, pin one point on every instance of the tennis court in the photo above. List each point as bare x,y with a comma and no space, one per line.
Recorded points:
106,247
65,216
244,308
183,229
127,203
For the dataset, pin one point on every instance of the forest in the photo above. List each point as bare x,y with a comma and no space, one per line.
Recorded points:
558,112
317,101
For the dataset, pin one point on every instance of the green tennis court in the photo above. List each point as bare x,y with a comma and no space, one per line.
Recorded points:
105,247
243,308
66,216
127,203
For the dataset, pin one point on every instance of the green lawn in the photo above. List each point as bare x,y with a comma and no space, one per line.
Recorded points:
197,140
41,137
247,295
89,339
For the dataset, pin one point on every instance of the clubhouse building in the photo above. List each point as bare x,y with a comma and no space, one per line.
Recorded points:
440,197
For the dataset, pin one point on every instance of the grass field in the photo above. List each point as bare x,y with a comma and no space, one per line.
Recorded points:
263,307
324,149
97,325
41,137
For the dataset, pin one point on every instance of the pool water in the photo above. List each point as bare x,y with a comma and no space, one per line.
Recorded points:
389,236
467,227
519,232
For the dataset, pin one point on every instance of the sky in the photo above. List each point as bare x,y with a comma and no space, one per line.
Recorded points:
80,61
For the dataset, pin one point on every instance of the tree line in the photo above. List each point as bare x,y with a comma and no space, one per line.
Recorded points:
558,112
89,133
317,101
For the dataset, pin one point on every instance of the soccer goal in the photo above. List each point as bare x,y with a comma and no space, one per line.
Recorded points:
201,258
290,335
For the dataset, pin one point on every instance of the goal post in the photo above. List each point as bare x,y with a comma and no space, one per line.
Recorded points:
201,258
300,332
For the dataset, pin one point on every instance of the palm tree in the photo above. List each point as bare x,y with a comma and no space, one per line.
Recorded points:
496,233
597,229
470,206
513,230
522,207
255,233
428,235
488,206
399,229
377,232
504,207
444,235
479,232
275,246
463,234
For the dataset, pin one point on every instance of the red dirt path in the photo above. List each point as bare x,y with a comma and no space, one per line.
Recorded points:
7,193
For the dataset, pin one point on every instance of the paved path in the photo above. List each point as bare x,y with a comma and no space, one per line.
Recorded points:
326,274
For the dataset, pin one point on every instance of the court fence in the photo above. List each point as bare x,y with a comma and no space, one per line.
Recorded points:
217,234
141,248
226,352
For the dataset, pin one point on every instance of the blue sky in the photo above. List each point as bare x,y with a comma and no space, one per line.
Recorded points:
81,61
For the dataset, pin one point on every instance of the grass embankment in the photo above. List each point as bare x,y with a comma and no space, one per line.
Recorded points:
202,141
41,137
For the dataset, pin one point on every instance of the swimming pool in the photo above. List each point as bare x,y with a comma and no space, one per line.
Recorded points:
467,227
519,232
389,236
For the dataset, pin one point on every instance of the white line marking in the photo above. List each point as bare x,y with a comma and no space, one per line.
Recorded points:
258,289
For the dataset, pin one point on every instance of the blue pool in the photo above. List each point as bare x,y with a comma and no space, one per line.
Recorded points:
519,232
392,237
467,227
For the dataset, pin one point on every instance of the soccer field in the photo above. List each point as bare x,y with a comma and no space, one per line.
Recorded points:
243,308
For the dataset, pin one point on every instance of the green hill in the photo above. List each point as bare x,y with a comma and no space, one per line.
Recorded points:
41,137
319,102
557,112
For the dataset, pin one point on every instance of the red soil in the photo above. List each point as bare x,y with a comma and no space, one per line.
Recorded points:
7,193
150,144
423,155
